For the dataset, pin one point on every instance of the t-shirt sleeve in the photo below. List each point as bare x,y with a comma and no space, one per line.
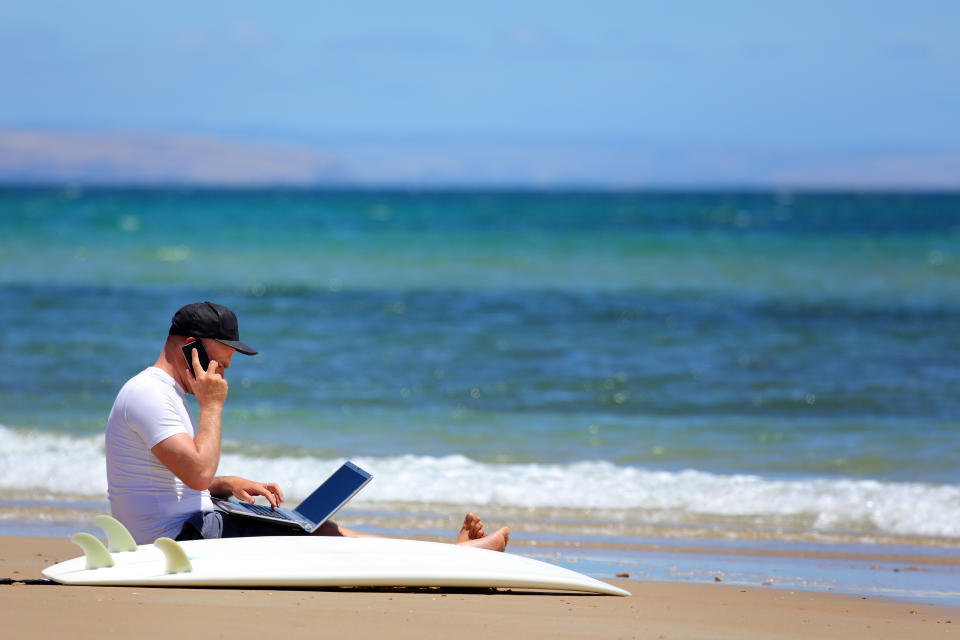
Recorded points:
153,416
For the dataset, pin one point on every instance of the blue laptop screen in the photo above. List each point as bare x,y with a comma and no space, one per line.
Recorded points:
336,490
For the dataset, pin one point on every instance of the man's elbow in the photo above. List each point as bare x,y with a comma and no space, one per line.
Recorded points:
199,480
194,467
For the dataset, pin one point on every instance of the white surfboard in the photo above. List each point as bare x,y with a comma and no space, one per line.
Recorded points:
312,561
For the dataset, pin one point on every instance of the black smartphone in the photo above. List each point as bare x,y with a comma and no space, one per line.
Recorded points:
201,353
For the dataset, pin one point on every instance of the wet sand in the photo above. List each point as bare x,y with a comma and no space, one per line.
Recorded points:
34,608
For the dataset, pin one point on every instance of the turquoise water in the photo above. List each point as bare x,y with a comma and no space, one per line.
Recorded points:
789,359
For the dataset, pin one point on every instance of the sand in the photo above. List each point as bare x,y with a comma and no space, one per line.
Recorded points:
32,608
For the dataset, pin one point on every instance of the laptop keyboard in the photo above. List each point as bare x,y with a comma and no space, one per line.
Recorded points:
266,511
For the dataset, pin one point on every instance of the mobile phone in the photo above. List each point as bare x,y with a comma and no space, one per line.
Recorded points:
201,353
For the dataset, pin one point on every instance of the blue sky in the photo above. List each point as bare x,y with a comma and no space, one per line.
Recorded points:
623,92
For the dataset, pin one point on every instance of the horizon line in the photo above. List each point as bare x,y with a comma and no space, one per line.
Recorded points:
480,187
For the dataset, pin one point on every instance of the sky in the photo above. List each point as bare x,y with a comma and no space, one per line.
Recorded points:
607,93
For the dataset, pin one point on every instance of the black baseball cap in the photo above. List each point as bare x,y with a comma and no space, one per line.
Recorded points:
209,320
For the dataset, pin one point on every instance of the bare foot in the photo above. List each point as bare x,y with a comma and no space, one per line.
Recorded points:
472,529
496,541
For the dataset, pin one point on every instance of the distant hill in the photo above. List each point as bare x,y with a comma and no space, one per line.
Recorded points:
28,157
39,156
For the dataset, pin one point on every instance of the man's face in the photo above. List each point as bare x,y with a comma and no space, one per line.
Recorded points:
219,352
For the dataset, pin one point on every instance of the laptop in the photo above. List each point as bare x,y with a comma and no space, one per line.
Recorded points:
319,506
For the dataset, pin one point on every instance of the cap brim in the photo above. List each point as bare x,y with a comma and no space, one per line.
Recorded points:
239,346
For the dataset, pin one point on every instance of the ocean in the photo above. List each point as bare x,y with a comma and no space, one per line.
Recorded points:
598,370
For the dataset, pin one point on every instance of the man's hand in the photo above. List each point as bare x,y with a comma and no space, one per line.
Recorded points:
243,489
209,387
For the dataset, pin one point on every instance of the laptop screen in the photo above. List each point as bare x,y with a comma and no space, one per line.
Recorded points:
336,490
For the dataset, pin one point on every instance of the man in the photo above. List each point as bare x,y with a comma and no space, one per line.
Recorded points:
161,465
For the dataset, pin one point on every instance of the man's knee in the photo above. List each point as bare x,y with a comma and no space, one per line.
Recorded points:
202,525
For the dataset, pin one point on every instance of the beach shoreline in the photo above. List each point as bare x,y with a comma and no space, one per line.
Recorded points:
920,570
656,609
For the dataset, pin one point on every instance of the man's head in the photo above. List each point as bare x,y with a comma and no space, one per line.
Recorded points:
209,320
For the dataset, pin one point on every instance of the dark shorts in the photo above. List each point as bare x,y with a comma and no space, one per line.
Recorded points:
216,524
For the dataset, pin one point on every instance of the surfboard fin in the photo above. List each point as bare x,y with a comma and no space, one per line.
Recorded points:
97,554
177,561
118,538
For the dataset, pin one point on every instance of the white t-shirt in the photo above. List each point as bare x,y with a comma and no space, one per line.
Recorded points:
144,495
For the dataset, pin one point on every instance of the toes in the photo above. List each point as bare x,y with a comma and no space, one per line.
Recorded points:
472,528
476,530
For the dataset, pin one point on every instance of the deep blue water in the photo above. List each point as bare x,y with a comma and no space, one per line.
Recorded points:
771,333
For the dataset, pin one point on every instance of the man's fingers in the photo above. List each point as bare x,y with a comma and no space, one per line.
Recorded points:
245,490
211,366
267,492
272,493
195,356
275,489
207,384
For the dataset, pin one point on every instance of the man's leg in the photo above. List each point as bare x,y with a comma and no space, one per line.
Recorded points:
209,525
471,534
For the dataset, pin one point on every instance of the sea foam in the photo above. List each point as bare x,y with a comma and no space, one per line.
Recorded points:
44,463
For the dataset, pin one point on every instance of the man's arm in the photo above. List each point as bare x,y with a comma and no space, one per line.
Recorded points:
195,465
243,489
195,460
179,454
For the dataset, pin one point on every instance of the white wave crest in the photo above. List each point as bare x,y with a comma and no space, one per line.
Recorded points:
60,464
